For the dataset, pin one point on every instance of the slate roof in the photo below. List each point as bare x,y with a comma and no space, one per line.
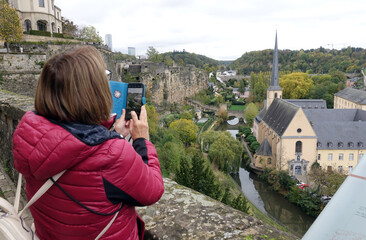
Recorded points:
353,95
260,115
279,115
338,128
309,103
264,149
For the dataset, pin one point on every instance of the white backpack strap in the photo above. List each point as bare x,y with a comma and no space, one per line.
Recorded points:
40,191
17,194
107,227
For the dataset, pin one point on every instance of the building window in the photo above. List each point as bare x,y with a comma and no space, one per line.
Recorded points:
329,144
330,156
319,156
319,144
28,25
340,169
298,148
340,156
340,144
42,26
350,157
275,95
41,3
350,168
350,144
360,144
299,130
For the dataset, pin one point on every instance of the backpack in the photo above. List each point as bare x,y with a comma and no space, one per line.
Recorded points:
13,227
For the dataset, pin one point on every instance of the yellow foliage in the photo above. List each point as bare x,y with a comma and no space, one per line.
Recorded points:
10,28
296,85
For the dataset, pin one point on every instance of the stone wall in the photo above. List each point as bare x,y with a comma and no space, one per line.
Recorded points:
182,213
19,72
169,83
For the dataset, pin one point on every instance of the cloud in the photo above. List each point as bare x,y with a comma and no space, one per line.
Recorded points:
222,29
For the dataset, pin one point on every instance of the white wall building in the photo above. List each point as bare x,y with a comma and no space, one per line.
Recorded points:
40,15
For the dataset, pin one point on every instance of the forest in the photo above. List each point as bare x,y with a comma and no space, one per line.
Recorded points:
313,61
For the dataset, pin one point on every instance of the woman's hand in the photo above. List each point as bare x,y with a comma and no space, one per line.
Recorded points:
139,128
122,126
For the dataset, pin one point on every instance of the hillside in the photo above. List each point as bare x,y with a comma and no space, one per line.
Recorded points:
319,60
183,58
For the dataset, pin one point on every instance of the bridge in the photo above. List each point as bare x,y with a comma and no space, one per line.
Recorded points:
214,109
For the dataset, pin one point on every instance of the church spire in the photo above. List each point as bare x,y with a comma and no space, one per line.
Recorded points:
274,90
275,76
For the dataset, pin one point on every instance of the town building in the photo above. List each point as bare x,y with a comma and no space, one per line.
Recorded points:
131,51
108,41
350,98
42,15
296,133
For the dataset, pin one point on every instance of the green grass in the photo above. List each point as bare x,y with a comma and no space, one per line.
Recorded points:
237,108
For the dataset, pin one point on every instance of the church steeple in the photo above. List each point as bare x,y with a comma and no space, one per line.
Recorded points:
275,76
274,90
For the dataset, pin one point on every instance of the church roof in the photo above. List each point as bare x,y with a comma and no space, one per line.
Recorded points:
279,115
353,95
338,128
260,115
309,103
264,149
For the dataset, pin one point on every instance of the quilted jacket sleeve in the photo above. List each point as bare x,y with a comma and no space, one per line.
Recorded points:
135,178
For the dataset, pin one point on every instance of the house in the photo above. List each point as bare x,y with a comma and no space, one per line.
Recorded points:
41,15
296,133
350,98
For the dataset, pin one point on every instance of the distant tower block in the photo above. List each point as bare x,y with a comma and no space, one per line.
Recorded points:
108,41
132,51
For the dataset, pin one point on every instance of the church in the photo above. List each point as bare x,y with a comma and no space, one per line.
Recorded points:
295,133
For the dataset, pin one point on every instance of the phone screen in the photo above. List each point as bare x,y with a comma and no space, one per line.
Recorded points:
134,99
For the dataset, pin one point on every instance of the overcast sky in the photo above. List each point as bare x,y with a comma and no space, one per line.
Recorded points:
222,29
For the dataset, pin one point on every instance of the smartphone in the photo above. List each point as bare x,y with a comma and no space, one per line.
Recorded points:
135,97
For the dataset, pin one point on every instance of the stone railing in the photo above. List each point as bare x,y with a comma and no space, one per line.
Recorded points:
181,213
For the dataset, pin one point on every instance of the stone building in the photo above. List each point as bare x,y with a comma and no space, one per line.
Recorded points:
40,15
350,98
295,133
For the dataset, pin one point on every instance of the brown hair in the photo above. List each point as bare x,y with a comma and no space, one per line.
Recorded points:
73,87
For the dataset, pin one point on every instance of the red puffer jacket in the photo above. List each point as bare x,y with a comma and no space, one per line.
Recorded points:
103,170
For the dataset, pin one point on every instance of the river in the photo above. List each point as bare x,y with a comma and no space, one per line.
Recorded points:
268,201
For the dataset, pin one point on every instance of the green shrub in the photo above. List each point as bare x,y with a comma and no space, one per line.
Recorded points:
58,35
40,33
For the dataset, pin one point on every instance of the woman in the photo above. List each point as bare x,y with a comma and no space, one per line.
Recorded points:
69,131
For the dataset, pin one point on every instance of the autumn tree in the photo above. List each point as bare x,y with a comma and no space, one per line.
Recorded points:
69,28
185,129
89,34
296,85
251,111
10,28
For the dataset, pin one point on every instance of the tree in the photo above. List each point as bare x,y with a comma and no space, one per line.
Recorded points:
185,129
296,85
152,119
153,55
222,114
89,34
68,27
226,152
250,113
10,28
